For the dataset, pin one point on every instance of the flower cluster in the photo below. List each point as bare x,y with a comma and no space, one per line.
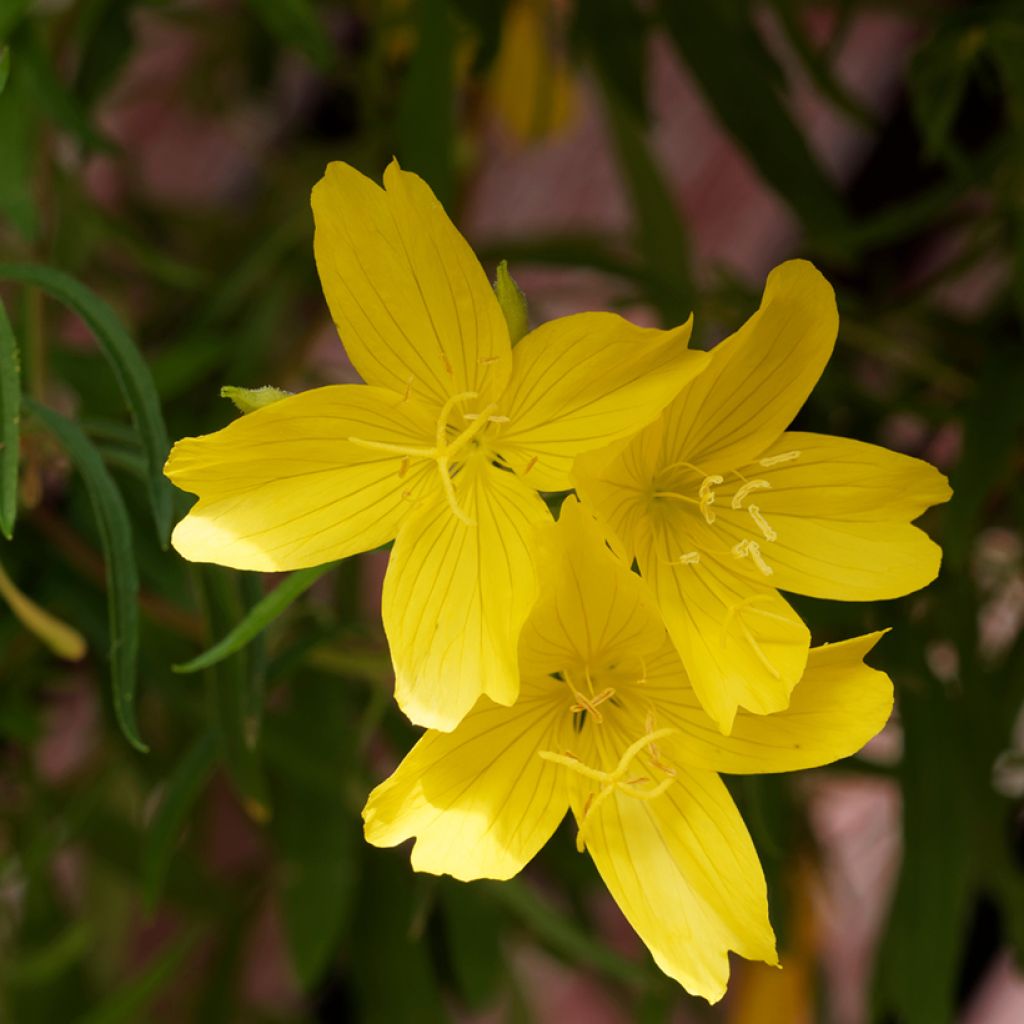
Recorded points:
612,662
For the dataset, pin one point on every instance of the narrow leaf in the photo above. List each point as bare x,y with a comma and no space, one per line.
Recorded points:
740,81
295,23
130,369
10,419
183,788
425,121
662,240
257,619
115,531
129,999
230,697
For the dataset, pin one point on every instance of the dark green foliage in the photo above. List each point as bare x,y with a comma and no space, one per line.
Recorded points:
142,883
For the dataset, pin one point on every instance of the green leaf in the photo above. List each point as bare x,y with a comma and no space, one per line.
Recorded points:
183,788
129,999
662,239
237,733
512,302
295,23
741,81
19,129
257,619
130,370
425,122
392,969
566,938
5,67
938,80
473,930
315,831
10,419
248,400
615,34
115,531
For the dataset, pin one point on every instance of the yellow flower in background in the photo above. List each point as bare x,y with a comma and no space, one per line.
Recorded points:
531,85
443,449
722,507
607,724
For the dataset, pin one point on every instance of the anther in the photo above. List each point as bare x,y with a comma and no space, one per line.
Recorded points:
751,485
762,524
447,364
751,549
530,464
687,558
778,460
403,467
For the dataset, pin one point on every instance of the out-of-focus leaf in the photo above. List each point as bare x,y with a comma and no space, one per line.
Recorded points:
615,34
473,930
229,691
115,531
53,97
425,121
393,973
106,40
183,788
566,938
917,963
661,236
315,828
938,78
485,16
816,64
993,430
19,129
42,966
130,369
740,81
512,302
128,1000
10,14
10,424
258,618
5,67
295,23
62,639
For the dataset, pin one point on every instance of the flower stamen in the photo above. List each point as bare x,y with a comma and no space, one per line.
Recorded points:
751,485
762,524
778,460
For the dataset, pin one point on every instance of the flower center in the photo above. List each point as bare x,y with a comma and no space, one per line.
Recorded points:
641,771
445,449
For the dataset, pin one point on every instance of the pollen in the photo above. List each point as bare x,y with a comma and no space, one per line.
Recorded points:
687,558
751,549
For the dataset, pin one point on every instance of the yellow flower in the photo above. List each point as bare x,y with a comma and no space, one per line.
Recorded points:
720,505
608,725
444,448
531,83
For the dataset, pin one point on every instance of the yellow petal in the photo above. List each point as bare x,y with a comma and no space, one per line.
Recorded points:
456,595
838,705
591,606
683,870
284,487
480,800
838,512
759,377
411,302
741,643
583,381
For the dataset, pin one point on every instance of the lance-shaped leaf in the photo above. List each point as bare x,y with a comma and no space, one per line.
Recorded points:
130,369
115,531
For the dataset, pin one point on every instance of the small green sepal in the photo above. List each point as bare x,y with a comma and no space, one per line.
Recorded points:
248,400
512,302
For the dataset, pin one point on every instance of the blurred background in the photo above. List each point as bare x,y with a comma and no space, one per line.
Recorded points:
156,159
